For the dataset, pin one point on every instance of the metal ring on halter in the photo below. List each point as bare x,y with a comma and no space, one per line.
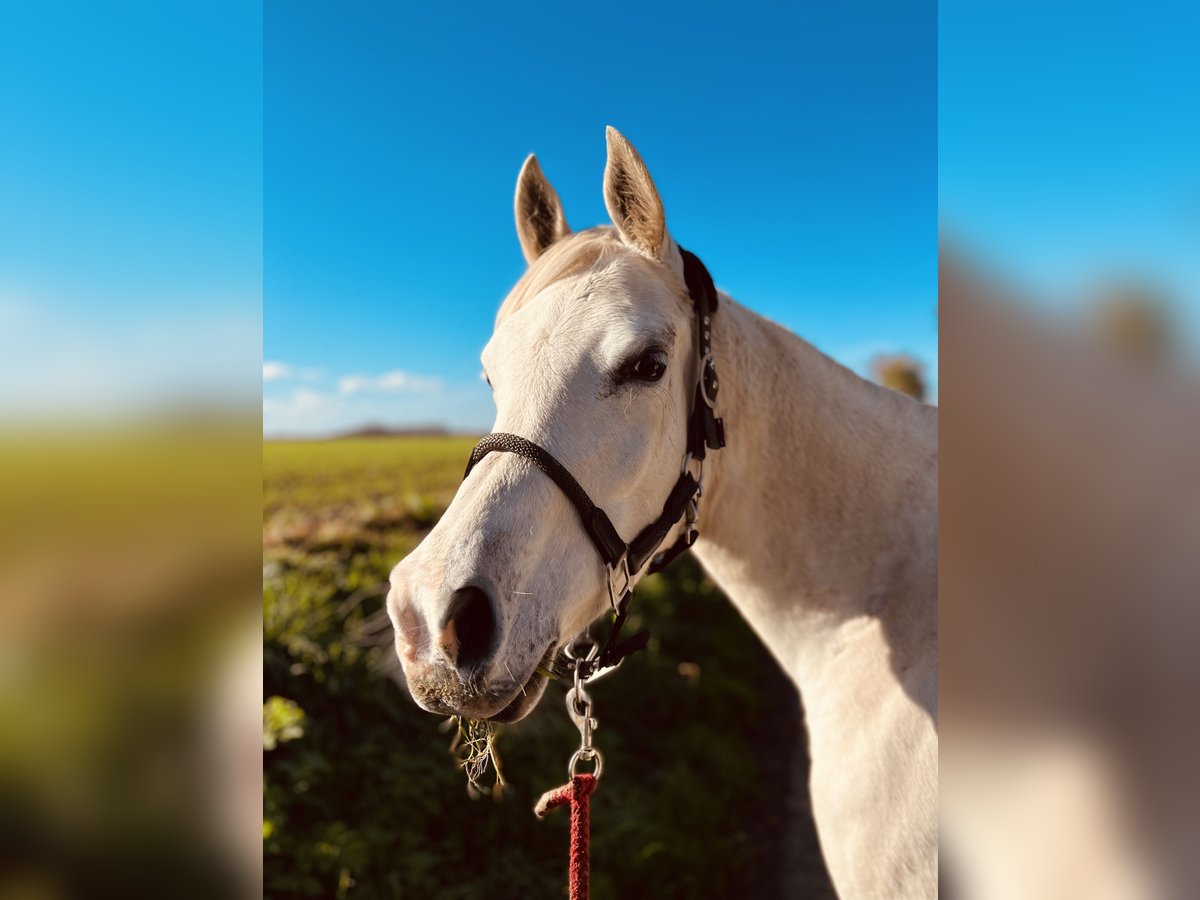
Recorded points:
708,364
581,639
586,756
604,672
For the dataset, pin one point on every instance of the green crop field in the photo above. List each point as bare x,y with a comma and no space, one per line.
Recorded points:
316,477
702,794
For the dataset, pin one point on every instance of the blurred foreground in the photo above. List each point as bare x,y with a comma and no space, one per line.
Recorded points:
1070,598
129,661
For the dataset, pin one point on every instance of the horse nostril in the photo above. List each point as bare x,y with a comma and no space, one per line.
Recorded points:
469,629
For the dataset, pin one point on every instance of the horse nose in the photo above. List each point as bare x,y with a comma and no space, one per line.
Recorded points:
469,635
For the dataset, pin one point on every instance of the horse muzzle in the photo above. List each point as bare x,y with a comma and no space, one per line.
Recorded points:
438,688
452,650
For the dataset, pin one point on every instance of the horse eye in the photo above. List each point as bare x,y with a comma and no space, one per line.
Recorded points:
649,367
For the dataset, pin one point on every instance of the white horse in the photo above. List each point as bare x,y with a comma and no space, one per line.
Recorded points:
819,519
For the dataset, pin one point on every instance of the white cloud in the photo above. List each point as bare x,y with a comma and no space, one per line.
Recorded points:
298,409
276,371
390,398
389,382
303,400
281,371
302,411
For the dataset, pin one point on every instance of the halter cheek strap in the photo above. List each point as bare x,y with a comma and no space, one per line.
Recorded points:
705,432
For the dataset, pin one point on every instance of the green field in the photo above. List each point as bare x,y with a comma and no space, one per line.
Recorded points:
701,734
374,482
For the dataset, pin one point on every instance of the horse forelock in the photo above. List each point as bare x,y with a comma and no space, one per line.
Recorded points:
570,256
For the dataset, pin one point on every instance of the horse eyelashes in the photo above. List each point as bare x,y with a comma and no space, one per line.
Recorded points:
647,367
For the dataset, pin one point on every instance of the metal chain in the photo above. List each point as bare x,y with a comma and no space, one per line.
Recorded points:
579,708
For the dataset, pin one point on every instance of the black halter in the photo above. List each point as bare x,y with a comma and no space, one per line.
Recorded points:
625,561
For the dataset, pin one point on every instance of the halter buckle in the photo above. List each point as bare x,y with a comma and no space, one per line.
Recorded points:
688,459
622,569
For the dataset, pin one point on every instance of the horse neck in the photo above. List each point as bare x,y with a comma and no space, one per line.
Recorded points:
822,509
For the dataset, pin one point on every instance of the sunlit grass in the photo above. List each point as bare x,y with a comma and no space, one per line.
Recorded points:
316,475
696,732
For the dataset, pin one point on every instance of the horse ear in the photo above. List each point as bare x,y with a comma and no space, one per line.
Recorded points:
540,219
631,198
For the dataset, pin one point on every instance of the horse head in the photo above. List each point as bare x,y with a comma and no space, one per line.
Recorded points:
592,358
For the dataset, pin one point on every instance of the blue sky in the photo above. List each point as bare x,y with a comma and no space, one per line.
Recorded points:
158,200
1069,146
794,147
130,204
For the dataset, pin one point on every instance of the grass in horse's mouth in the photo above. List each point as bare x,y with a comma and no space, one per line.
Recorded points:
475,746
475,739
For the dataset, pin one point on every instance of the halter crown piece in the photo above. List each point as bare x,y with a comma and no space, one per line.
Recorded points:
625,560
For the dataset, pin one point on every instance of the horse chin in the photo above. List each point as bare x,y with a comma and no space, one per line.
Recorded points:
523,703
527,697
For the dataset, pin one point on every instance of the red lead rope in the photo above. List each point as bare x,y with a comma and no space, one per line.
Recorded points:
576,793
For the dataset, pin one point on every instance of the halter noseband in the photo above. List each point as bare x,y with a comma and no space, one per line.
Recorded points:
705,432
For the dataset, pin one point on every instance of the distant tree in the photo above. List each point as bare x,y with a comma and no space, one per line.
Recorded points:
900,372
1133,320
